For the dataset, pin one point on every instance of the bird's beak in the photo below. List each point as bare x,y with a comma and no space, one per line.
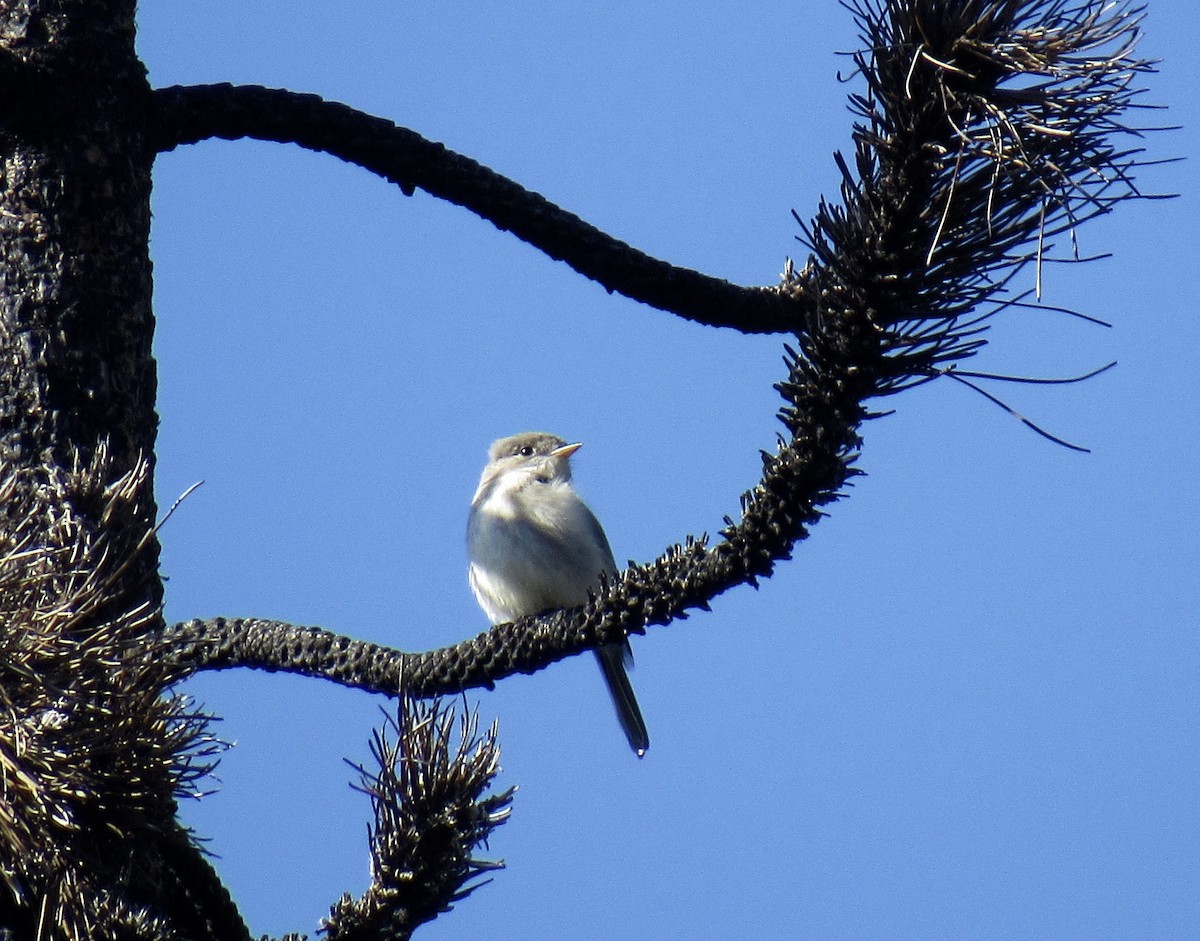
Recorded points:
566,450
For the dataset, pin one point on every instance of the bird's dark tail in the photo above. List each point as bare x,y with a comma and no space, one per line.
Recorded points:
612,659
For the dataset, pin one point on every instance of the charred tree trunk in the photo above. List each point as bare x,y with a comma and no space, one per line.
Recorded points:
90,846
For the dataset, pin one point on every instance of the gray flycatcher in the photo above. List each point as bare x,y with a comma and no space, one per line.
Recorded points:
534,546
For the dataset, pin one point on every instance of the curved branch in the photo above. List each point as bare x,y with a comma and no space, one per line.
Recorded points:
956,183
826,390
189,114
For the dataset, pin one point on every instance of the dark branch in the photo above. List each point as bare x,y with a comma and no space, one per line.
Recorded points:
220,643
187,115
987,127
431,815
826,390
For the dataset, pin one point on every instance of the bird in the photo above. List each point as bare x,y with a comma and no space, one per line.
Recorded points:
534,546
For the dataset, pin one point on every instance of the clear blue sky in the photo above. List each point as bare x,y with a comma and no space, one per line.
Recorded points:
968,708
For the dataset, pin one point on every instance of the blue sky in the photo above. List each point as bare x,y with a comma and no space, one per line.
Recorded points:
967,708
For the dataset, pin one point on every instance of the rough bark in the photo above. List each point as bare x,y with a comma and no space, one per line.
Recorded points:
88,746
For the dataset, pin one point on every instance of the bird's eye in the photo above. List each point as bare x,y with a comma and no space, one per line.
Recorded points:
526,451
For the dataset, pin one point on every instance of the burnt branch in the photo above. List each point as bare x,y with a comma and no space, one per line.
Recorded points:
190,114
987,128
431,815
808,472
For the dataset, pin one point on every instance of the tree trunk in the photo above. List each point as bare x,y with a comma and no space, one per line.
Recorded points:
87,815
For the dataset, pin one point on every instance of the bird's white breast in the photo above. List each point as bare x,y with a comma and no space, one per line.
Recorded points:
533,545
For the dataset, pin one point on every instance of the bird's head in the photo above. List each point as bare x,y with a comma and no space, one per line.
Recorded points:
530,454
